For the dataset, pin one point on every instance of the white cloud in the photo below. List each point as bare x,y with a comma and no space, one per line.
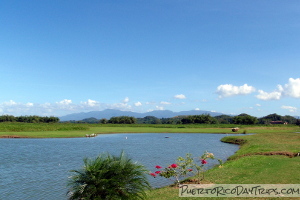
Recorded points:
258,105
65,105
290,108
65,102
228,90
138,104
197,108
276,95
180,96
118,106
165,103
29,104
90,103
150,103
14,108
159,108
59,108
10,103
126,100
292,88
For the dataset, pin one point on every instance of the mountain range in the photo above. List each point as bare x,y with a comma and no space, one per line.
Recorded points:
108,113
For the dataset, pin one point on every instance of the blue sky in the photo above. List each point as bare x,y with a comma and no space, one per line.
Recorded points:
228,56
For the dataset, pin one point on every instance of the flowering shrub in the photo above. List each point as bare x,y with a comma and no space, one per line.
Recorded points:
203,162
174,170
173,166
153,174
186,166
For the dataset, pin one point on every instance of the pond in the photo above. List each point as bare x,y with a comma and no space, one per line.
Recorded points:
39,168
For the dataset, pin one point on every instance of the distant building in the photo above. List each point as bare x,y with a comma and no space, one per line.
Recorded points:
278,122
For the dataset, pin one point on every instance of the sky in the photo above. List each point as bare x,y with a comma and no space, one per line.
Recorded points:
228,56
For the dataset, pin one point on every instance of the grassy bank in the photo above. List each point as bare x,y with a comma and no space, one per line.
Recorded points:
60,130
267,157
246,170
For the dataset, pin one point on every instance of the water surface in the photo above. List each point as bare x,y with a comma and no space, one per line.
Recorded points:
39,168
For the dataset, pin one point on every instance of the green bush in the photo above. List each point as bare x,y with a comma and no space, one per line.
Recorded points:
109,177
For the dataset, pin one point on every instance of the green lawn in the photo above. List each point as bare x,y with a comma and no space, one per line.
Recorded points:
246,170
61,130
248,167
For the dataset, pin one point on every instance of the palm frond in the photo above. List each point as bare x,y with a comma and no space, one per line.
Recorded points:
109,177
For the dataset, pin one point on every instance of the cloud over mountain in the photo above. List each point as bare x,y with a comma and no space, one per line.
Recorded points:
289,108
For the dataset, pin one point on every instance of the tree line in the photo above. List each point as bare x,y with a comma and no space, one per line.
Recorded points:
28,119
243,118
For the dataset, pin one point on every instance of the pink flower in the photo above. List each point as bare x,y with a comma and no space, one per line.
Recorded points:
203,161
152,174
157,172
158,167
174,165
190,170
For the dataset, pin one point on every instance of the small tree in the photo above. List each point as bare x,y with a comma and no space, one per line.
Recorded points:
109,177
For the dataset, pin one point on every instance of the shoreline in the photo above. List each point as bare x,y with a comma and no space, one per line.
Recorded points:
11,136
28,137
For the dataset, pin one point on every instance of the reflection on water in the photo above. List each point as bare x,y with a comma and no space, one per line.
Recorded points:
39,168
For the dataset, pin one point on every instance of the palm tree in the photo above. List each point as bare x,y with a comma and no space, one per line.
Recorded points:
109,177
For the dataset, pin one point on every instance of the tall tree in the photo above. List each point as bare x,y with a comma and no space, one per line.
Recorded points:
224,119
199,119
122,120
245,119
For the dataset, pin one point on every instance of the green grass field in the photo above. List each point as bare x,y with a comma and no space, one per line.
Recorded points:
61,130
265,157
